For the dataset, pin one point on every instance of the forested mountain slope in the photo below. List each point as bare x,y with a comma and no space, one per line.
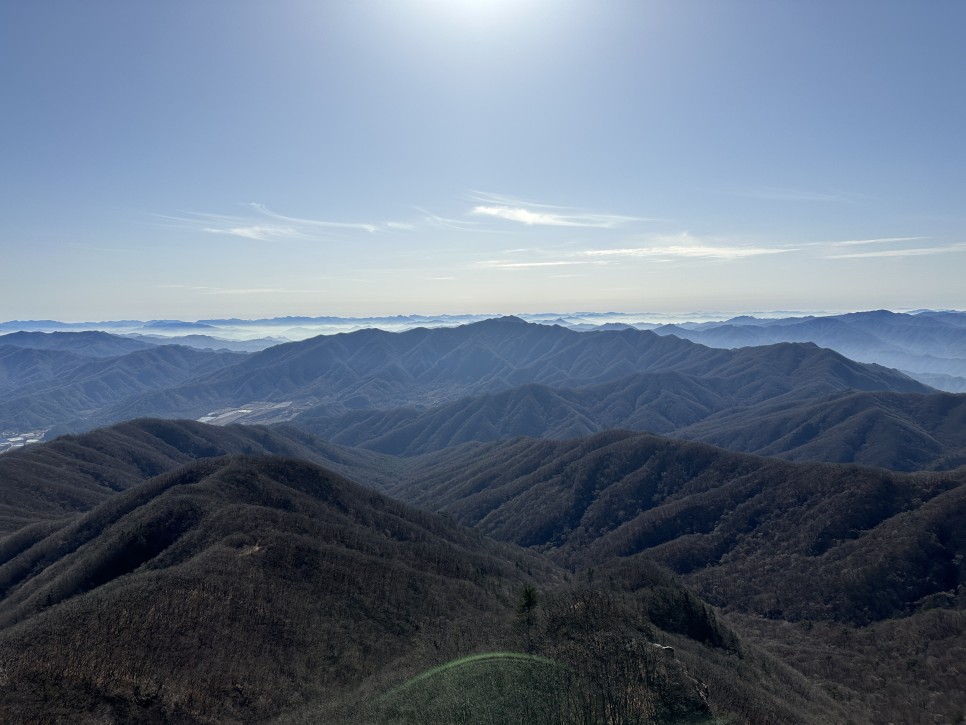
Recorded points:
854,575
69,389
48,388
758,534
73,474
375,369
247,588
901,431
235,588
816,546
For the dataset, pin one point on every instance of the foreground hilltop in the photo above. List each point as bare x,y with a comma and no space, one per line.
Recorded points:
854,575
247,588
234,588
199,556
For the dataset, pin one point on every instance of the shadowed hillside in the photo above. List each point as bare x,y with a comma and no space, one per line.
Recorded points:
722,518
810,559
75,473
199,557
901,431
234,588
239,589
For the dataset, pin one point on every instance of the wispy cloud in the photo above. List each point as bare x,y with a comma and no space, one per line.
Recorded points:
534,214
264,225
907,252
881,240
317,223
695,252
260,223
656,249
259,232
542,218
441,222
684,246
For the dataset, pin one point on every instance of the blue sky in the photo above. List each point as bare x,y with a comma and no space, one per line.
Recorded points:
251,159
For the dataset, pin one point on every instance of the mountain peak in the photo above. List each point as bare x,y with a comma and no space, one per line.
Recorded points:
505,320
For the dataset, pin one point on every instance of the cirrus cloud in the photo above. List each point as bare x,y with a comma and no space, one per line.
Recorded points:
552,219
529,213
264,225
695,252
685,246
906,252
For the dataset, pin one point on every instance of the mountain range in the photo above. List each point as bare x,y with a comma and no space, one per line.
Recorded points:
421,390
901,431
44,387
375,369
930,344
715,516
500,521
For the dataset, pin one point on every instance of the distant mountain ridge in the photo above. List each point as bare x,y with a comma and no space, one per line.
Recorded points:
42,388
420,390
376,369
930,343
92,342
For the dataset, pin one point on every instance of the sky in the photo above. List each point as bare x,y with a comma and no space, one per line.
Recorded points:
229,158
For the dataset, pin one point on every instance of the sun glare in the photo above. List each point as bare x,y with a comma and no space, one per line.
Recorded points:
482,13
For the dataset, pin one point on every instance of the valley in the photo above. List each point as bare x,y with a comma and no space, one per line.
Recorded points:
253,412
11,440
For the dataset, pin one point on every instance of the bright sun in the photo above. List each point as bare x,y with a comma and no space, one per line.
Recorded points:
483,13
